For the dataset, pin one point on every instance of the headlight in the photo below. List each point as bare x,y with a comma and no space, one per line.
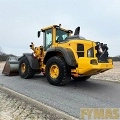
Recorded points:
90,52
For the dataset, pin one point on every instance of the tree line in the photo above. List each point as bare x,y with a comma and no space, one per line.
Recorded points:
5,56
117,58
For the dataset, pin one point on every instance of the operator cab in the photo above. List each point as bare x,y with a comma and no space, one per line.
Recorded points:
54,34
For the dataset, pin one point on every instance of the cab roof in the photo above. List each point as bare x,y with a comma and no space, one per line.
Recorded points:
56,26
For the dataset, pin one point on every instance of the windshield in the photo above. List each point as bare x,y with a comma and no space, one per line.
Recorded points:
61,35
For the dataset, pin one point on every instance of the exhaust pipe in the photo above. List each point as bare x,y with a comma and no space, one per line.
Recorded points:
11,66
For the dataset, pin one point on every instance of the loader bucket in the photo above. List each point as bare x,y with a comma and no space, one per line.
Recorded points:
11,66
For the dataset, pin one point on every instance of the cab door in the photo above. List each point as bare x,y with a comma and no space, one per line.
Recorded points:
48,38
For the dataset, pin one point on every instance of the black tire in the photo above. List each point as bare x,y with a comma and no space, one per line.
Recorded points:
81,78
64,75
28,72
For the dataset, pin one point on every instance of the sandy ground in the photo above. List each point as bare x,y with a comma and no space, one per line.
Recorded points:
15,109
2,65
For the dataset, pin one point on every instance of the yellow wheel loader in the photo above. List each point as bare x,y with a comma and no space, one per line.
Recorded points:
64,55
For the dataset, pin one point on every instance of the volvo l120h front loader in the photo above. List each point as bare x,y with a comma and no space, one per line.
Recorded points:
64,55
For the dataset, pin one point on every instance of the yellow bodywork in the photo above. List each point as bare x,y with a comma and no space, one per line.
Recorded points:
86,69
86,66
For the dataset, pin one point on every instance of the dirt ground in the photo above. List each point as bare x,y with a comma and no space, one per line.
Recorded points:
12,108
2,65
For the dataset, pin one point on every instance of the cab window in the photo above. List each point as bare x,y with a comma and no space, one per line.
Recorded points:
48,39
61,35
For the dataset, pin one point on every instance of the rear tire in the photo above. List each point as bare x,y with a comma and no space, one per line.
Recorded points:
25,71
57,71
81,78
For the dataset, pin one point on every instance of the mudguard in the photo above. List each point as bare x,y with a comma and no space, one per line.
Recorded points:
34,62
67,54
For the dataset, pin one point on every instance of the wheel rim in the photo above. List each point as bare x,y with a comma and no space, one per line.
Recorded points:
54,71
23,68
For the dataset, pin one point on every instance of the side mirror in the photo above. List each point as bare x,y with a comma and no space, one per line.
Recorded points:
38,34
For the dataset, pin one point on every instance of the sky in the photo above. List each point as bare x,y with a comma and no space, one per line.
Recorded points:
20,20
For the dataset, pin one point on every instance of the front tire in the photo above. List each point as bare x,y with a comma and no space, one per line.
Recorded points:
25,71
57,71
